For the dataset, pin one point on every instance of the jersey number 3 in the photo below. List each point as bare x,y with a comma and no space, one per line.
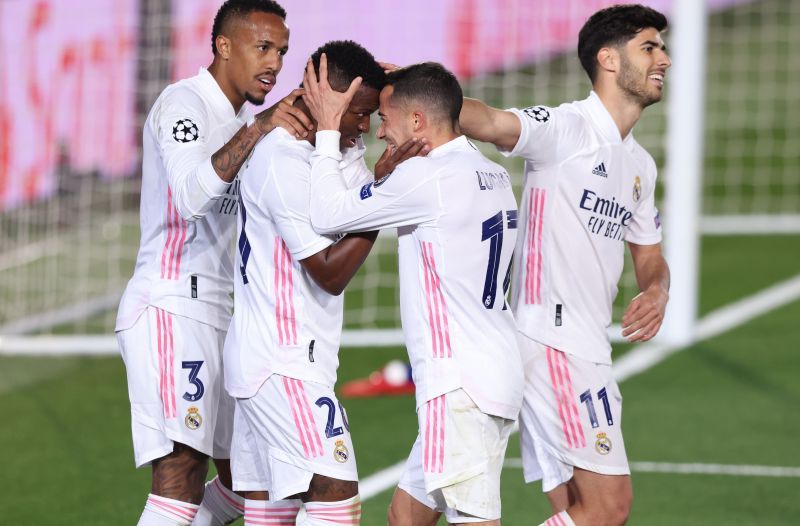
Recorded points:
492,230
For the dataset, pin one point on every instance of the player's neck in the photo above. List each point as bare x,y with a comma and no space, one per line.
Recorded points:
624,111
216,70
439,136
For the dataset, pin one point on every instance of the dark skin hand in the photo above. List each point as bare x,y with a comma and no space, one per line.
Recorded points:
229,159
392,156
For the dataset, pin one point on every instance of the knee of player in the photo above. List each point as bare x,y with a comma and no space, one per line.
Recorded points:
617,510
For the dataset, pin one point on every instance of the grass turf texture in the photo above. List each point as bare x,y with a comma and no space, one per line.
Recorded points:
724,401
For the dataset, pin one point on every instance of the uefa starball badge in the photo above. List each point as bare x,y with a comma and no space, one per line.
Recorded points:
193,419
185,130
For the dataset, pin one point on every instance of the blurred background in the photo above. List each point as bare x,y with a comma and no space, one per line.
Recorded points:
77,78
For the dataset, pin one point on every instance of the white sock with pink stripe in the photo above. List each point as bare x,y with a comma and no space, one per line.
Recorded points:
161,511
271,512
559,519
342,512
220,505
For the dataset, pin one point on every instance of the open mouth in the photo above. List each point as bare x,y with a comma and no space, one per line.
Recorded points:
657,79
267,81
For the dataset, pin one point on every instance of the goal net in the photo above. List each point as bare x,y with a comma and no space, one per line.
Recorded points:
73,101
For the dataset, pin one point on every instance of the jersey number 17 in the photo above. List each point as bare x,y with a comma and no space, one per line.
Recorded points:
492,230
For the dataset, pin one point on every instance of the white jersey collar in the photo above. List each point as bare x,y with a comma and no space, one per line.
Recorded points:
458,143
217,96
599,115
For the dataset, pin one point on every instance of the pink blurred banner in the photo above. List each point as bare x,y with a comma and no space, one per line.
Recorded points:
67,91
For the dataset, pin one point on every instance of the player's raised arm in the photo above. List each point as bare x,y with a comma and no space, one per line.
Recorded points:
404,198
483,123
229,159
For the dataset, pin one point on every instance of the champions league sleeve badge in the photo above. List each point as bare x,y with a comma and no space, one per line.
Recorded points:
537,113
185,130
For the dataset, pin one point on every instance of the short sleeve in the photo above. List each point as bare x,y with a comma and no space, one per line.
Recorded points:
541,130
645,226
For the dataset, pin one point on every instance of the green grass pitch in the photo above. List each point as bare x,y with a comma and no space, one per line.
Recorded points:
729,400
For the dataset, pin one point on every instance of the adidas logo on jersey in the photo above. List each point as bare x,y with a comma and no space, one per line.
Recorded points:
600,170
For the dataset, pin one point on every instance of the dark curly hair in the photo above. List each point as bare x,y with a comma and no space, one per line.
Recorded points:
348,60
232,9
614,26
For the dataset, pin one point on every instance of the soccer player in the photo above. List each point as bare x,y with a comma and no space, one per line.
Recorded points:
456,220
175,310
589,188
291,436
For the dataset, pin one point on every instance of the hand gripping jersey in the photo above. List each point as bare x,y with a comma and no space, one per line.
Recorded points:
456,220
587,191
185,260
283,322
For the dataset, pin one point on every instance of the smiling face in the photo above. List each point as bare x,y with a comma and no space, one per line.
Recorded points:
643,65
253,48
396,122
355,120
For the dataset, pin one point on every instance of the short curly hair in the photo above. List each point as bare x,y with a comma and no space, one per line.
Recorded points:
348,60
232,9
614,26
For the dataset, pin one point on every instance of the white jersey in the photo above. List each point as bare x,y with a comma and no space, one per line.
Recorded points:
283,322
587,191
456,219
185,260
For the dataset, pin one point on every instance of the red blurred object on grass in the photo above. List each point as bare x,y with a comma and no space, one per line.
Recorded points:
393,380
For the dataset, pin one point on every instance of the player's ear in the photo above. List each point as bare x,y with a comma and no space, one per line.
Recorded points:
223,44
418,121
608,59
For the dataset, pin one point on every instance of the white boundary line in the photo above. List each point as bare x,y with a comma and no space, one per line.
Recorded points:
649,355
698,469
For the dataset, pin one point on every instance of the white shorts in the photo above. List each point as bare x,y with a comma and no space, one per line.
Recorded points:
289,431
175,385
454,466
571,417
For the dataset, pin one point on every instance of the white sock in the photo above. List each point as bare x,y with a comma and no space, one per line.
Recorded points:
220,505
343,512
269,512
161,511
559,519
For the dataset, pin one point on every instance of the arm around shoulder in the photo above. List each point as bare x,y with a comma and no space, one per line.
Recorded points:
483,123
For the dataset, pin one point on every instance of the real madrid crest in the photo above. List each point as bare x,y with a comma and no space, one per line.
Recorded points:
637,188
193,419
340,452
603,444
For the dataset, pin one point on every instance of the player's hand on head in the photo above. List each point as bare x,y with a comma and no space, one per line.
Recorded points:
388,67
285,115
392,156
644,315
326,104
